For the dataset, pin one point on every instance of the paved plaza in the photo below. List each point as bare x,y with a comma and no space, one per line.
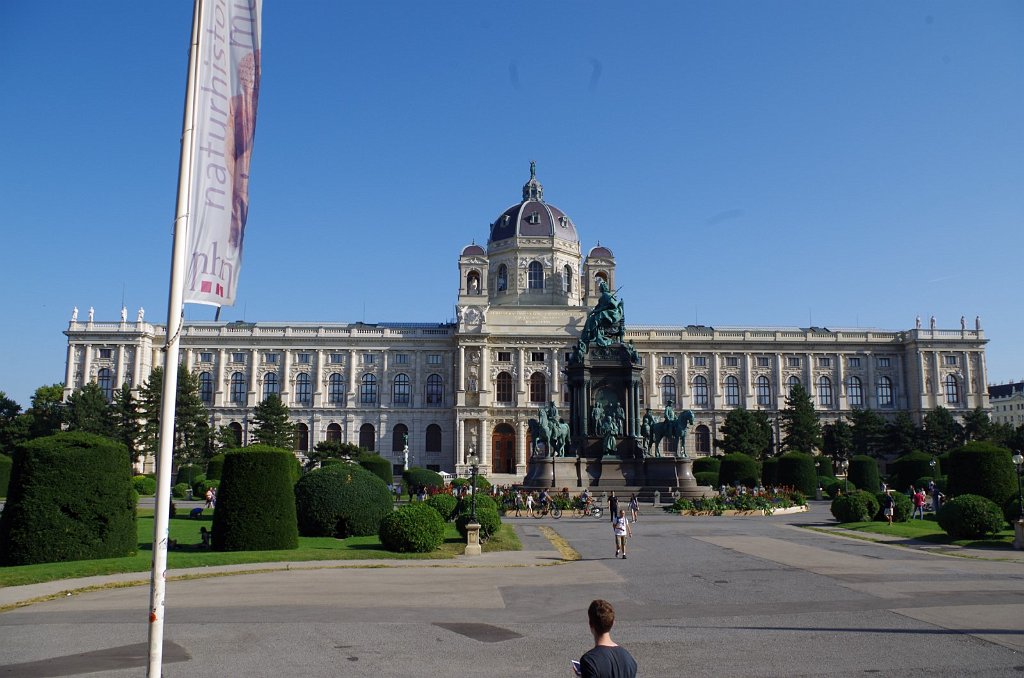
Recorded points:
725,596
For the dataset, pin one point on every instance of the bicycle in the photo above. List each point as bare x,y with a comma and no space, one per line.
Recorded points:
550,509
588,510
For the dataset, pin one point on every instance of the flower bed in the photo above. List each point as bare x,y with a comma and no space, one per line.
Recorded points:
742,502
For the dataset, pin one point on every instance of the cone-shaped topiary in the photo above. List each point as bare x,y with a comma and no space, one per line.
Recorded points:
706,478
983,469
417,477
770,471
796,469
415,528
5,473
906,470
704,464
341,500
256,501
71,498
863,473
377,465
738,467
214,467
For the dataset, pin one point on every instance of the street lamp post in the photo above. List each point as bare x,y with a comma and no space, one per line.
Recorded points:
845,464
1018,527
474,468
473,527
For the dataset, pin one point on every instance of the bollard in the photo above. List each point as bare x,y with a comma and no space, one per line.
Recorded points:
657,498
1018,532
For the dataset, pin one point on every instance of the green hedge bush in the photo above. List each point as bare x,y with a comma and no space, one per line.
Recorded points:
823,466
1011,510
378,466
256,501
906,470
902,510
983,469
488,519
341,500
832,487
5,473
863,473
738,467
144,485
797,470
71,498
187,474
856,507
770,471
415,477
199,491
708,478
445,504
970,516
215,467
482,500
414,528
706,465
180,491
199,486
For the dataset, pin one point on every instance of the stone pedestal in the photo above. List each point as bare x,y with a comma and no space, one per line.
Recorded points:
473,539
665,473
1018,534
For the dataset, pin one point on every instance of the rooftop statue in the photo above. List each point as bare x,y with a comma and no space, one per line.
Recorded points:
604,323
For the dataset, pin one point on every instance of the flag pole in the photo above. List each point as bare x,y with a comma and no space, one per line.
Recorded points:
175,313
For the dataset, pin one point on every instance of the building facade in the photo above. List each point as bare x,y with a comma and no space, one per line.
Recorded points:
1007,402
471,386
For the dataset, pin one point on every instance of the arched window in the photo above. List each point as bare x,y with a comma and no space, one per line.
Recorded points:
105,380
301,438
790,383
236,431
206,387
335,389
538,388
473,282
433,441
367,437
700,391
503,387
400,390
303,389
854,392
825,392
435,391
398,434
535,276
764,391
368,389
334,432
567,280
703,443
952,390
238,388
270,385
732,391
668,389
603,275
502,282
884,392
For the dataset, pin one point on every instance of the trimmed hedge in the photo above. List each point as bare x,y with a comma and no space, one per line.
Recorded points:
902,509
482,500
983,469
144,485
488,519
5,473
856,507
415,477
256,501
198,486
796,469
187,474
215,467
71,498
414,528
908,469
378,466
970,516
823,466
341,500
738,467
863,473
1011,510
706,465
770,471
832,486
180,491
445,504
708,478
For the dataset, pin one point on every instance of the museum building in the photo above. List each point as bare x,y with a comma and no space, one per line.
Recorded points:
471,386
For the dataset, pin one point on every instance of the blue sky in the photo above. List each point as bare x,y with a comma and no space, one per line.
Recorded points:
749,163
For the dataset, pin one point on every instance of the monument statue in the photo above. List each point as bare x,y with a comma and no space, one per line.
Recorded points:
549,429
647,432
604,323
91,313
672,428
141,315
74,315
124,314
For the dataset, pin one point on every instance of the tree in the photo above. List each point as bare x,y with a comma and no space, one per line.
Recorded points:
332,449
802,431
88,411
47,411
191,426
977,425
837,440
868,431
225,439
272,425
747,432
13,424
902,436
942,433
127,419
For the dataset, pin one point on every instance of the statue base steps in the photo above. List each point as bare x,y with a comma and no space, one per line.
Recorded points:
664,475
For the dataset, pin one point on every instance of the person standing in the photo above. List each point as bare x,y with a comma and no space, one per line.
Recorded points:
919,502
607,659
620,526
529,505
634,507
888,507
613,505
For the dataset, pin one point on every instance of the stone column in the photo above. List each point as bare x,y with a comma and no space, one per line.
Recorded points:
871,397
556,389
521,448
218,394
87,365
254,385
119,379
779,382
461,385
419,386
483,445
841,386
748,391
715,397
352,397
684,385
485,384
521,379
318,380
69,371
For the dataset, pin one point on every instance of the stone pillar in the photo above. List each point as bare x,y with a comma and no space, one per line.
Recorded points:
352,397
119,366
715,397
522,433
137,370
69,371
748,391
555,386
521,379
779,382
219,387
871,397
483,444
318,380
254,384
485,384
461,386
684,384
87,365
841,385
419,384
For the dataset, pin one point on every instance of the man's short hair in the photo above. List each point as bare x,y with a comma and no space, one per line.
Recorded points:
602,616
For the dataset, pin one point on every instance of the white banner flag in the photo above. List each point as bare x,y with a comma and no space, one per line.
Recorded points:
227,89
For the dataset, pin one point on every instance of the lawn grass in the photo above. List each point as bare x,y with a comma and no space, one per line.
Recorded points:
190,553
928,530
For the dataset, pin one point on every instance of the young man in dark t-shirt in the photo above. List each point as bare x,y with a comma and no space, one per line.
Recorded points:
606,659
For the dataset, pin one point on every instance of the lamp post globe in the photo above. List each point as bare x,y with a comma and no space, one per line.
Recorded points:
474,468
1018,461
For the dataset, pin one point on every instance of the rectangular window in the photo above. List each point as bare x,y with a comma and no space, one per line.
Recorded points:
238,358
303,358
206,357
504,356
434,359
368,358
853,362
401,358
824,362
700,361
336,359
793,361
732,361
951,360
762,361
537,357
270,358
668,360
883,362
107,353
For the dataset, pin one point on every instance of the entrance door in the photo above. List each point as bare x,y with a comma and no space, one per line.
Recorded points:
503,449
